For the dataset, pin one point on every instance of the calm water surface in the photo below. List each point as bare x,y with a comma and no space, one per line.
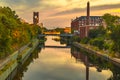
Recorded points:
57,64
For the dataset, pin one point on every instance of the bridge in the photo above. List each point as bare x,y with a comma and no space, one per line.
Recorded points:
62,35
49,46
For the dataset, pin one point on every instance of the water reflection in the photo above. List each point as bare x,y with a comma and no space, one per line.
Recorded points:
98,63
65,64
23,68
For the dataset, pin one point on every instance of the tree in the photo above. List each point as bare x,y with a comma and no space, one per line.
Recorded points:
99,42
116,38
14,33
99,32
110,19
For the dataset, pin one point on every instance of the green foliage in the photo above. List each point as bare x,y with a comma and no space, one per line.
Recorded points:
99,32
110,19
106,38
14,33
116,38
61,30
76,38
84,40
99,42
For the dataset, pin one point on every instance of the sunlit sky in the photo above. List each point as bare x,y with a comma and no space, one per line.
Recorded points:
58,13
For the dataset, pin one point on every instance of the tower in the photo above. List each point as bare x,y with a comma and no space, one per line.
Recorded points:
88,12
35,17
88,19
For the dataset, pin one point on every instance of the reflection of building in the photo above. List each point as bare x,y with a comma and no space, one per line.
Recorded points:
81,25
67,30
35,17
83,58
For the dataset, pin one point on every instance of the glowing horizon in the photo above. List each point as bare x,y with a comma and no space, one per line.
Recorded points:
59,13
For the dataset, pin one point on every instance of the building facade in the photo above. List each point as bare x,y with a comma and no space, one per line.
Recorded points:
35,18
80,27
67,29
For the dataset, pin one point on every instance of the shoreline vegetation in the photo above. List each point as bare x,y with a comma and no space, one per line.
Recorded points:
16,36
104,39
14,32
94,50
16,59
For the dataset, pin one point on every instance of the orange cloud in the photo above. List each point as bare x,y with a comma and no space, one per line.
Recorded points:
60,12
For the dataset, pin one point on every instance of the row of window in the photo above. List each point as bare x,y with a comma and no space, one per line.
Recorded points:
96,24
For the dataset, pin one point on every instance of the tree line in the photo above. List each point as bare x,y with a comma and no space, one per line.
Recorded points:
106,38
13,32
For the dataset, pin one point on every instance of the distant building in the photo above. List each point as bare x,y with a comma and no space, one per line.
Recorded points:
67,29
81,25
35,17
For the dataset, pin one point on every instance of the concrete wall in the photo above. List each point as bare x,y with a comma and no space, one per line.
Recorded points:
12,63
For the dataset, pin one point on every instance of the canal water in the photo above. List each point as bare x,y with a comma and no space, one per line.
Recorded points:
65,64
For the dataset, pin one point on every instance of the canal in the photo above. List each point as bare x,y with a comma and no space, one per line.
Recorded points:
65,64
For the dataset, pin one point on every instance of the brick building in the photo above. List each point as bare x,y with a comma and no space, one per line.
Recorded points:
81,25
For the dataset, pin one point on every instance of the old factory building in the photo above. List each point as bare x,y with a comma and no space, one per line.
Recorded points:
81,25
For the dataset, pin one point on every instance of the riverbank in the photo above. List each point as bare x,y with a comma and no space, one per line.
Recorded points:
10,64
101,53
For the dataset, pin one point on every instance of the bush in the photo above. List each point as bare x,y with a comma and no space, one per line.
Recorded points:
99,42
76,38
30,45
85,40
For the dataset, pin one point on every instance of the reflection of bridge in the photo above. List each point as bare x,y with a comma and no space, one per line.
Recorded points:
49,46
67,35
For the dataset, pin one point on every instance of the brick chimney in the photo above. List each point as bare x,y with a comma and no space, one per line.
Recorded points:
88,18
88,12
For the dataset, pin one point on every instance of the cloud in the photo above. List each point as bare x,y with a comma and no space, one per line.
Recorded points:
104,7
56,12
93,8
21,4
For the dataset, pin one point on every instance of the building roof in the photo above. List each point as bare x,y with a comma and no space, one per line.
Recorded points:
91,17
84,17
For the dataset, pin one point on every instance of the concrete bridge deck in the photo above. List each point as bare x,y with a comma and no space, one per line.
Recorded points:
49,46
42,35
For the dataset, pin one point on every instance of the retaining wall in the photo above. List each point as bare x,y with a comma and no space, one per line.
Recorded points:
12,61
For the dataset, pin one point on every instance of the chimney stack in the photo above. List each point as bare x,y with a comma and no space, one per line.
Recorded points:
88,12
88,18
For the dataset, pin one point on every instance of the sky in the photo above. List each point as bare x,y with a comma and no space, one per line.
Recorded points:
59,13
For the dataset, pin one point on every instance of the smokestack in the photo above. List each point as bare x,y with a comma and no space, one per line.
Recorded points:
88,12
88,18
